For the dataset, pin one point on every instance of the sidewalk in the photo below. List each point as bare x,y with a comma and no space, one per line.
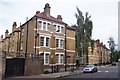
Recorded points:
52,75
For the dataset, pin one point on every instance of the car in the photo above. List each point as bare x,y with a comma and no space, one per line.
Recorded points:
113,64
89,68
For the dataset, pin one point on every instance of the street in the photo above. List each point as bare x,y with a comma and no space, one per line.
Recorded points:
103,72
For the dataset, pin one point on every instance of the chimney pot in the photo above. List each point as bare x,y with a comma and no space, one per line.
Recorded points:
59,17
14,26
37,12
6,33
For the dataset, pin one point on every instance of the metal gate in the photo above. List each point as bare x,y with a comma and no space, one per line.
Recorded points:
14,67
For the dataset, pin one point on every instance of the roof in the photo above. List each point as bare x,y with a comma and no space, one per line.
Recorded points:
70,28
51,18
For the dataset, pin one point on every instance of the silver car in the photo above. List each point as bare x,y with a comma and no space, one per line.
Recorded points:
90,68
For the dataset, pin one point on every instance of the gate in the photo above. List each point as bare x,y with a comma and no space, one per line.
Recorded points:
14,67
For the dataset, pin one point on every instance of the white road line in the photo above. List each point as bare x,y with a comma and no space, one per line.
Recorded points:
99,71
106,71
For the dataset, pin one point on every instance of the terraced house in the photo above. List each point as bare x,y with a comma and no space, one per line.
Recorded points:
100,54
43,36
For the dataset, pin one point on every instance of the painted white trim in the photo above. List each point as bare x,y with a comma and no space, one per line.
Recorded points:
70,50
59,57
53,48
70,38
45,58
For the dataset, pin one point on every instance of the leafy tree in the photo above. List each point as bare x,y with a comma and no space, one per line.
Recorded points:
112,48
83,35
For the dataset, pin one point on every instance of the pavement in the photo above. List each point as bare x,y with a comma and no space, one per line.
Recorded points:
52,75
56,75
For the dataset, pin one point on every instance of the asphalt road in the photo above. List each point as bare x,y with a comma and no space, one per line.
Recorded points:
103,72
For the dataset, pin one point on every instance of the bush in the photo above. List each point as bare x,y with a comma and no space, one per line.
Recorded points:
46,72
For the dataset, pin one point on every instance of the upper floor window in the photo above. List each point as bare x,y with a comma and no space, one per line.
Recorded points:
62,30
47,41
39,25
42,41
44,25
57,43
57,28
61,43
48,26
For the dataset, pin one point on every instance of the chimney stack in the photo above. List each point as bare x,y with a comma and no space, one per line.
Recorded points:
47,10
14,26
37,12
1,38
59,17
6,33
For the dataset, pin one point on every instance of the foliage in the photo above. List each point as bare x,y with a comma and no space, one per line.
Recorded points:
112,49
83,35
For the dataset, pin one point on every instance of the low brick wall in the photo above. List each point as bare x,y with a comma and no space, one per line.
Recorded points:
33,66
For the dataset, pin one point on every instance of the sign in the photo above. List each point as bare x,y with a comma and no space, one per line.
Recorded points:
51,56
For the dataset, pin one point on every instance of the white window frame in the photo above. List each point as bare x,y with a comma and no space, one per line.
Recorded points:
48,29
56,28
59,58
45,58
39,27
59,43
42,24
44,44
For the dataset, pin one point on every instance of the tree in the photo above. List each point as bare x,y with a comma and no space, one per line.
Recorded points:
83,35
112,47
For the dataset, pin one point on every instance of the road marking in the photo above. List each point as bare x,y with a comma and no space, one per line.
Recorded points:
99,71
102,71
106,71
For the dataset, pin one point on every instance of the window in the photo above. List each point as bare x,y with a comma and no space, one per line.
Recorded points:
44,25
55,28
42,41
61,43
48,26
57,43
62,30
57,58
61,58
47,59
58,29
39,25
47,41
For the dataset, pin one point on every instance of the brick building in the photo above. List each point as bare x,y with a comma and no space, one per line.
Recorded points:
100,54
42,36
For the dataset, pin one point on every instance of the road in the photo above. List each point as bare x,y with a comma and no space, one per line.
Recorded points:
103,72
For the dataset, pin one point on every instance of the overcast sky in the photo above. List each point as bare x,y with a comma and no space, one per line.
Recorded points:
104,14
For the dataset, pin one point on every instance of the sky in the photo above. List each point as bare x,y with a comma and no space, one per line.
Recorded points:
104,14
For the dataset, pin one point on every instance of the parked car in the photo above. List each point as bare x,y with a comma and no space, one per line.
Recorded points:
90,68
113,64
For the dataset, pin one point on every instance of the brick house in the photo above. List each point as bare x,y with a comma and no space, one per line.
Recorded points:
42,36
100,54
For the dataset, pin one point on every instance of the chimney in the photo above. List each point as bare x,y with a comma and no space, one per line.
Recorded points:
6,33
37,12
47,10
14,26
59,17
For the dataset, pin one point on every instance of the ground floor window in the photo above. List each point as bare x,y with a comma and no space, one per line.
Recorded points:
59,58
